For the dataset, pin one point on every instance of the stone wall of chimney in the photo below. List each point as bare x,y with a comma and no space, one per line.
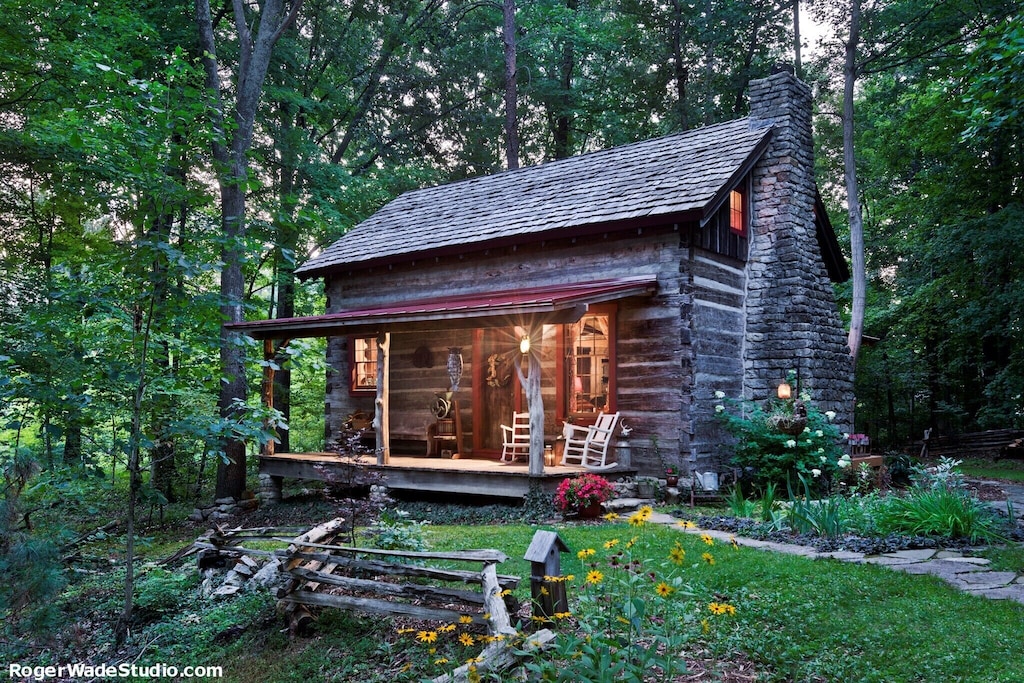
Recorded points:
792,320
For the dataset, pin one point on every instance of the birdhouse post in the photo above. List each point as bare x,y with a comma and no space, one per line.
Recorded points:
544,555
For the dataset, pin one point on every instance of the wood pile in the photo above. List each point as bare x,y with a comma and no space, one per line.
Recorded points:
994,443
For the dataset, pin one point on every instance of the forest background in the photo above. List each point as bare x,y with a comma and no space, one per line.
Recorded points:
165,166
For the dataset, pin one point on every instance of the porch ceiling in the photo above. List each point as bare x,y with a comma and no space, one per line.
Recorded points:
526,307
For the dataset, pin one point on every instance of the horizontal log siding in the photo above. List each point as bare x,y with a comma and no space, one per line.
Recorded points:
718,285
651,373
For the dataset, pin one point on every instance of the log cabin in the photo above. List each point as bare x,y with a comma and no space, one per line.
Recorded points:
637,280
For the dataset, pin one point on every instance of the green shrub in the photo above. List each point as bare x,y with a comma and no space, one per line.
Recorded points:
771,456
396,531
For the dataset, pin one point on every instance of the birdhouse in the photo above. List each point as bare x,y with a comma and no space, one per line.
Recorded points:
544,556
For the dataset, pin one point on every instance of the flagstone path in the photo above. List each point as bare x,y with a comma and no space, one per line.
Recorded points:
969,574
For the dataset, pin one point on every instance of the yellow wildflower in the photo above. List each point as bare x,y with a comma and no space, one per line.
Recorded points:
664,590
632,542
585,553
563,615
594,576
636,519
441,660
646,511
402,631
708,557
677,555
611,516
611,543
686,524
507,591
705,625
735,545
570,577
465,619
466,639
426,636
447,628
707,539
543,590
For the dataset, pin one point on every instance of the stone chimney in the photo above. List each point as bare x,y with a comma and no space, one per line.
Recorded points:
793,321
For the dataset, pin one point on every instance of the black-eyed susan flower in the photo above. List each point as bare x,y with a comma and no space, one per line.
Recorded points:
426,636
611,543
708,557
466,639
594,576
664,590
636,519
707,539
677,555
465,619
585,553
611,516
441,660
646,511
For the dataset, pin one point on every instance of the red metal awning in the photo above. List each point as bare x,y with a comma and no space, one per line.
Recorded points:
527,307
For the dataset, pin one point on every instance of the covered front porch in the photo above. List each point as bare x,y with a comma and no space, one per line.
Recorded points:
434,417
477,477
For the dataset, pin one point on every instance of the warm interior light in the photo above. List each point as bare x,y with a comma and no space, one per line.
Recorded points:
524,344
577,385
785,391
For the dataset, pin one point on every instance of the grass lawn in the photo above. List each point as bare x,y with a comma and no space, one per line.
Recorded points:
802,620
796,619
1006,469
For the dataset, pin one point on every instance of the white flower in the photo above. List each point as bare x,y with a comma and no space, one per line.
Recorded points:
719,408
823,459
816,472
830,414
819,433
807,430
843,463
820,451
791,443
719,395
845,456
846,436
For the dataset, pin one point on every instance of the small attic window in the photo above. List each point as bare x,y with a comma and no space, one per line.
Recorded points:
738,212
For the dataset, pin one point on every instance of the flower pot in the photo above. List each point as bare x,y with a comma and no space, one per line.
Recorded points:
592,511
672,480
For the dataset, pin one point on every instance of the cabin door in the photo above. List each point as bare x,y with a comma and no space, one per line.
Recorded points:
498,351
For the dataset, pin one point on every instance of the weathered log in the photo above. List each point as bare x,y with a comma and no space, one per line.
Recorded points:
412,591
484,555
396,569
374,606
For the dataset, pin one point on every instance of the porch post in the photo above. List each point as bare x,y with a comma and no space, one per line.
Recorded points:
381,418
535,406
267,388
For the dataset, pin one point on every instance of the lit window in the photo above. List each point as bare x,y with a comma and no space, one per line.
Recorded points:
737,212
590,375
364,364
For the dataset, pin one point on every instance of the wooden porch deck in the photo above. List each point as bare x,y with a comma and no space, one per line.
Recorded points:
481,477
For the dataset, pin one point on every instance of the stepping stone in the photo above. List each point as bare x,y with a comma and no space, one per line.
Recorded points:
986,580
890,561
844,556
626,504
1013,592
978,561
916,555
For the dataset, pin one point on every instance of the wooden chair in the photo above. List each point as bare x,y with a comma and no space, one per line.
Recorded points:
588,446
515,440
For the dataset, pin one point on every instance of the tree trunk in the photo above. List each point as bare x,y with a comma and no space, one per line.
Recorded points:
230,154
852,187
508,33
562,130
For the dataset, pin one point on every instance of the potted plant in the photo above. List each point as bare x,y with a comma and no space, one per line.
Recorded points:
671,475
583,495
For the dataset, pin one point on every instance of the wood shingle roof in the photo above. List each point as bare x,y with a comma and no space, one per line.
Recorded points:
679,173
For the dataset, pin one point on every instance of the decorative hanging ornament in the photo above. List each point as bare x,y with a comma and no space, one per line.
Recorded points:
455,366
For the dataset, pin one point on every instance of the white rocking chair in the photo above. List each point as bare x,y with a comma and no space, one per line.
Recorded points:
588,446
515,440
